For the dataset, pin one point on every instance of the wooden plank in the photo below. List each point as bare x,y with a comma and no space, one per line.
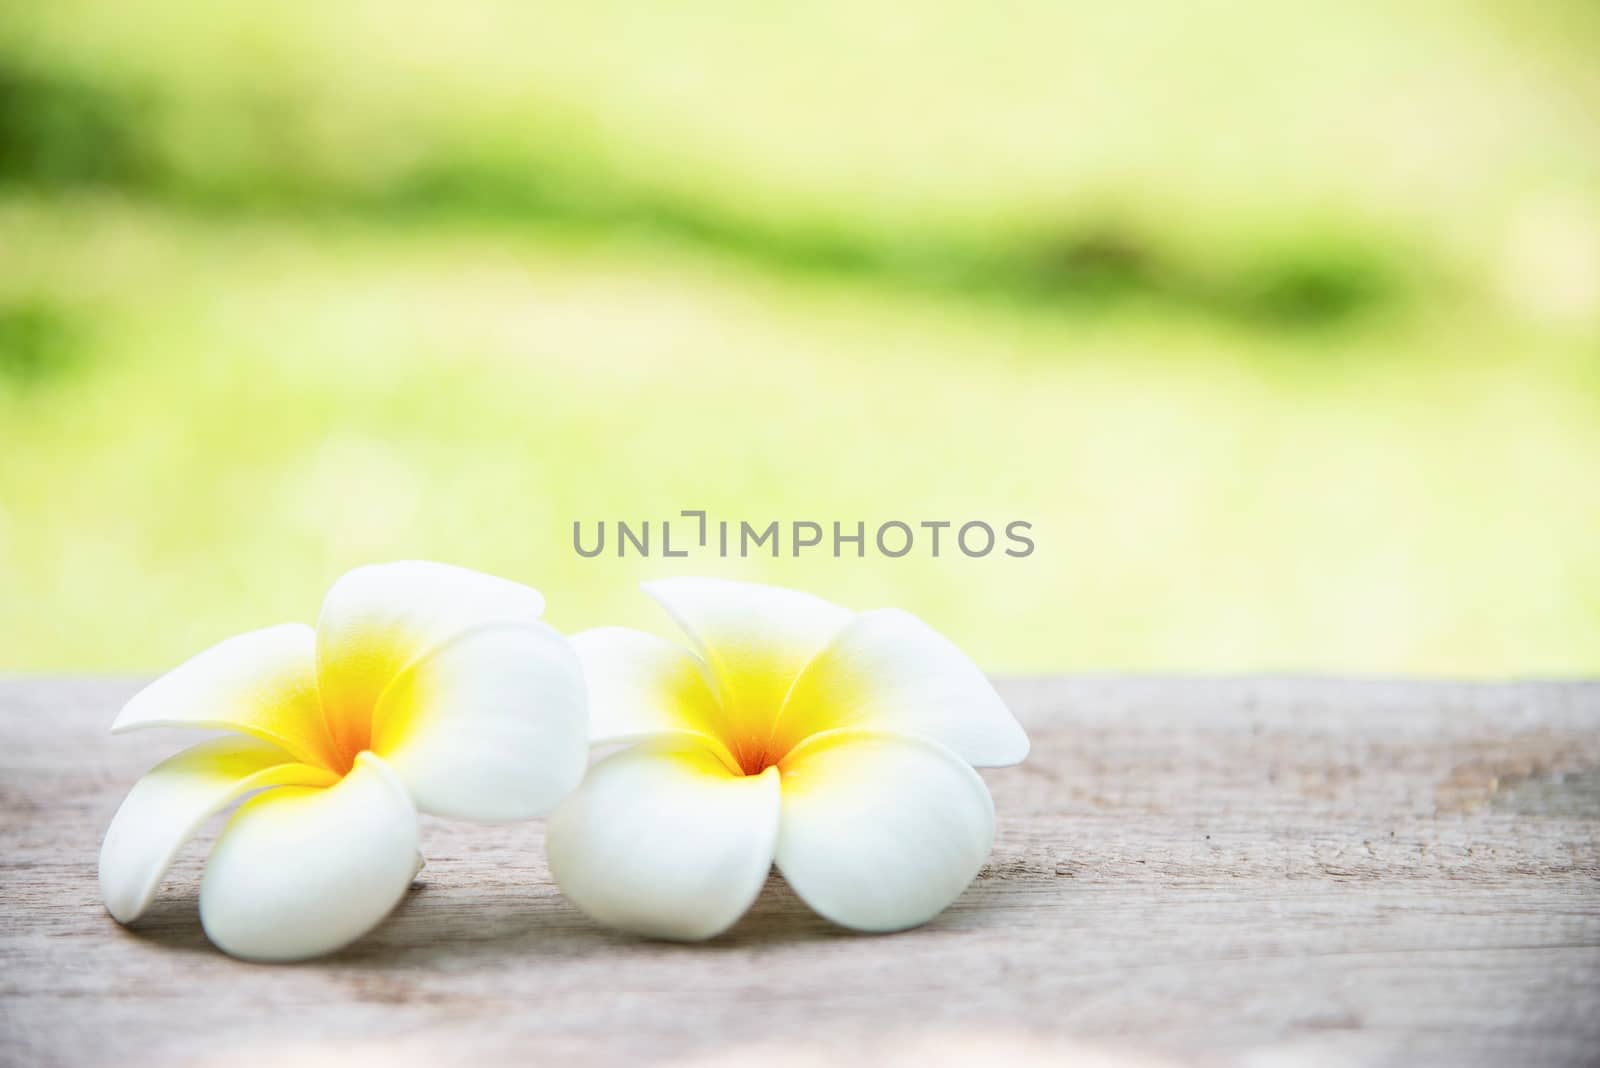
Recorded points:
1255,871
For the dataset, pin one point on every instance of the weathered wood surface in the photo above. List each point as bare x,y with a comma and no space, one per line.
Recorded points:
1258,872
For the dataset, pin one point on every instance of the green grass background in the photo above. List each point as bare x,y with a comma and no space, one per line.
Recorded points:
1280,323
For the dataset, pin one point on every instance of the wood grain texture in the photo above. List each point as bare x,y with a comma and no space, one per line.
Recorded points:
1255,872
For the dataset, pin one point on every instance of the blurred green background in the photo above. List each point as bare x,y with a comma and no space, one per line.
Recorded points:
1280,322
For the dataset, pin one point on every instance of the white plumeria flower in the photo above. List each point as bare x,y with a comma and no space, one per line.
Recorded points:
423,686
839,745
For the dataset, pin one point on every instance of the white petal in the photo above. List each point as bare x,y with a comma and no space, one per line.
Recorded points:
755,639
889,671
262,683
302,872
880,832
490,725
641,686
167,806
377,619
662,840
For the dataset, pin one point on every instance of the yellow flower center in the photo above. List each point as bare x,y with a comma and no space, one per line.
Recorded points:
350,726
747,701
759,735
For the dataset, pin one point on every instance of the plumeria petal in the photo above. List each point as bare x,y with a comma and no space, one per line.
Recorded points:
377,619
755,639
488,726
889,671
881,832
262,683
301,872
663,840
642,686
169,804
